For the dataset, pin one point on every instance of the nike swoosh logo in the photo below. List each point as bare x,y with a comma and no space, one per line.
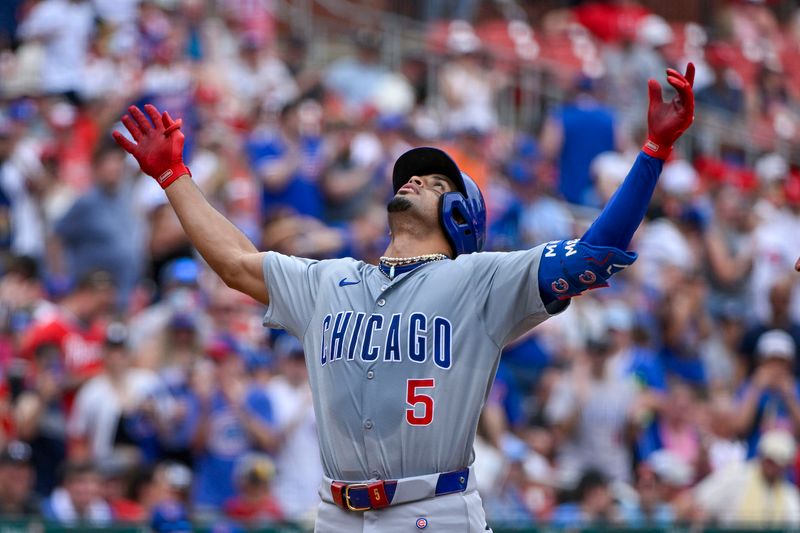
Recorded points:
344,283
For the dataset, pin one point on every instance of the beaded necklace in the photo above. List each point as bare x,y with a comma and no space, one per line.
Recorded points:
391,266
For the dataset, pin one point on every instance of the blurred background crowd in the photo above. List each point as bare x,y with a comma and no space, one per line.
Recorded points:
136,387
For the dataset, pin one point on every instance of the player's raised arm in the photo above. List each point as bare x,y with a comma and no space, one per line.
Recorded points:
571,267
158,148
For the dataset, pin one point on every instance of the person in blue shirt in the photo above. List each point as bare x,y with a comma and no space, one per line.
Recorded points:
573,136
230,417
287,158
771,398
101,229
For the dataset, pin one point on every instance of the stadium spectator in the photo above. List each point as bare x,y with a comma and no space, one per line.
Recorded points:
348,180
677,426
650,509
181,297
258,77
228,418
637,58
100,230
511,500
116,411
676,478
64,28
17,498
771,398
22,178
754,492
729,251
467,84
297,461
22,294
725,95
254,501
286,155
592,411
780,317
77,500
118,488
775,238
574,134
182,351
719,351
41,416
723,446
75,325
594,505
354,79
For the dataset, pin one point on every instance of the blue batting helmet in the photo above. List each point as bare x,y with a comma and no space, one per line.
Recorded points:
462,213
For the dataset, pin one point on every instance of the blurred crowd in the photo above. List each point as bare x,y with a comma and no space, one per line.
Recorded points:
136,387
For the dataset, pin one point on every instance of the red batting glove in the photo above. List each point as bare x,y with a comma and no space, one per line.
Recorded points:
159,145
666,121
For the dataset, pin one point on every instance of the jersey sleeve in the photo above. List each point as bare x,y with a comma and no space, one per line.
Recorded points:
507,292
292,283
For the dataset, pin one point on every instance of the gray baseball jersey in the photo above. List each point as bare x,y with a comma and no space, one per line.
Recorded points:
400,368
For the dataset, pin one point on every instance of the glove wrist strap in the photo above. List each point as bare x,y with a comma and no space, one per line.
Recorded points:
174,172
654,149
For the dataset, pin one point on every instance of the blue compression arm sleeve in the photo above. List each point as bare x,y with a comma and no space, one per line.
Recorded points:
620,218
625,210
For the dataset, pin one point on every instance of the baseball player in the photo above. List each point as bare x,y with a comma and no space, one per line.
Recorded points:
401,355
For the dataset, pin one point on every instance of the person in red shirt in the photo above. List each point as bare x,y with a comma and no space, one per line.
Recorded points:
76,327
254,503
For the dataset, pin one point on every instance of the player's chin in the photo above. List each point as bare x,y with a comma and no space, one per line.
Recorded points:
399,204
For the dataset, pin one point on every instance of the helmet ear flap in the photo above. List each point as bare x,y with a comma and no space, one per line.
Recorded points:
444,226
458,223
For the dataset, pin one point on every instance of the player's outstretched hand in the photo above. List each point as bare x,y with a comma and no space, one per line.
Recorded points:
158,146
666,121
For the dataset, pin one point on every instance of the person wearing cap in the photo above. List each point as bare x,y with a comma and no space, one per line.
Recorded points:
181,298
17,498
77,326
255,501
228,416
771,398
755,492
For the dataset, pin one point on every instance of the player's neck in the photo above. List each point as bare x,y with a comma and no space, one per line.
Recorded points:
404,245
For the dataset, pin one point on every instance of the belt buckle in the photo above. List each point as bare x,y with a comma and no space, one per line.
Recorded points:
350,507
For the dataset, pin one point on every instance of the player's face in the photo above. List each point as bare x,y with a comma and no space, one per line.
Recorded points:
422,194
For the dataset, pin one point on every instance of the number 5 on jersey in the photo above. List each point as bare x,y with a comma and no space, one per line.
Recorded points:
423,416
